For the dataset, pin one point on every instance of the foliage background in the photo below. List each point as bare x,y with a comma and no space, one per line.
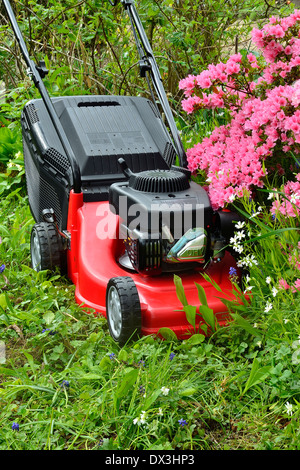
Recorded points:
88,44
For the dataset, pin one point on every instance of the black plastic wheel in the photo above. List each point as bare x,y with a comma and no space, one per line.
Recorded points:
46,248
123,310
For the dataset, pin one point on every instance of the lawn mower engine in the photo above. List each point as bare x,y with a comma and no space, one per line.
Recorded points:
167,222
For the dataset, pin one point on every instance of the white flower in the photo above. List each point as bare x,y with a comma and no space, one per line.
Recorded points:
233,240
271,195
249,261
141,419
249,288
256,213
165,390
240,235
268,307
268,280
259,344
274,291
289,408
238,248
239,224
294,198
160,412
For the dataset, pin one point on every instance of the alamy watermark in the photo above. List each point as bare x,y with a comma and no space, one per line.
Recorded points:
149,220
2,352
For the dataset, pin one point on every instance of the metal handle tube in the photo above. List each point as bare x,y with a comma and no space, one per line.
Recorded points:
38,82
155,76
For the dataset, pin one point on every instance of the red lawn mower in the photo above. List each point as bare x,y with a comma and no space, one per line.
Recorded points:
113,211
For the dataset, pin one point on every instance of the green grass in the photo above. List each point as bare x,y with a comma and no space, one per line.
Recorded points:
69,386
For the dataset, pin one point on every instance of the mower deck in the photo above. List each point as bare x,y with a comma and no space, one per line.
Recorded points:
92,261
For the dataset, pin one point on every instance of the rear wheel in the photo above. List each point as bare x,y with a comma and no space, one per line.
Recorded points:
46,248
123,310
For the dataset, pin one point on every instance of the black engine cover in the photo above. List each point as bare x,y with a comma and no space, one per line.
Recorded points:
148,211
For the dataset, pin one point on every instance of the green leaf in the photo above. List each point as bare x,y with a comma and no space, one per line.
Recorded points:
30,360
257,375
3,302
187,392
48,317
180,290
195,339
212,282
105,363
208,316
167,334
8,303
151,399
190,312
91,376
128,381
201,294
245,324
123,355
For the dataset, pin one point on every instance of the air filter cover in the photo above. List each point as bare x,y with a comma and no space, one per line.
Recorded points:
159,181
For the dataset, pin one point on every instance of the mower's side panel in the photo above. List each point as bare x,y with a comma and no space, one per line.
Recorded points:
47,168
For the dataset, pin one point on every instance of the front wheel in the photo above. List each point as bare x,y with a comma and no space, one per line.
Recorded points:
123,310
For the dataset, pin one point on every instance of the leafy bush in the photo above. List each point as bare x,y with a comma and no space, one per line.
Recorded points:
88,46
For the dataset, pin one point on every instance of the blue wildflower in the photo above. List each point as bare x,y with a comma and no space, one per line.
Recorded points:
112,356
232,271
15,426
182,422
51,333
233,274
65,384
2,267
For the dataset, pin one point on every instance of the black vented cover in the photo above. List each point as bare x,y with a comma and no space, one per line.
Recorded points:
159,181
100,130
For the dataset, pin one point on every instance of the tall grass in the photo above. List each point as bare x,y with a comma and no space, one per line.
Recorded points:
64,384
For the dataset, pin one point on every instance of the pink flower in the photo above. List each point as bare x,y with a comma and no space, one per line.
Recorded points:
283,284
264,116
188,85
297,284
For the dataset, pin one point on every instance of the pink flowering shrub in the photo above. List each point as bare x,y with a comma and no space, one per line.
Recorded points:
289,203
262,97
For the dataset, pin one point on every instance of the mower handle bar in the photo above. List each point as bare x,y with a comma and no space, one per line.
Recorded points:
146,57
36,73
149,65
